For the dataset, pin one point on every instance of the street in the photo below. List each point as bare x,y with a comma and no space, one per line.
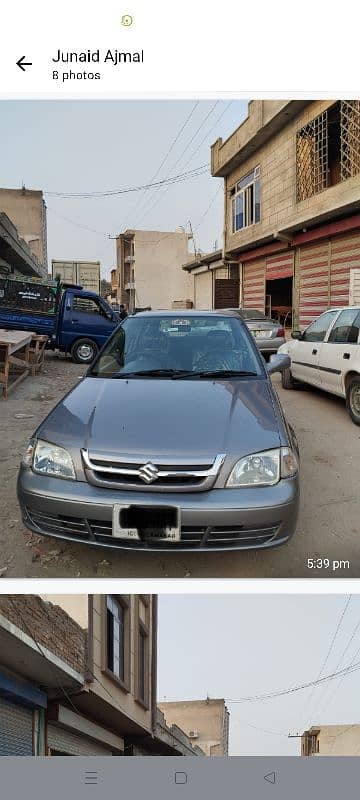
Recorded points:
326,541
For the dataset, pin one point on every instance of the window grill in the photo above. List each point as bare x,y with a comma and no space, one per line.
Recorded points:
312,157
350,138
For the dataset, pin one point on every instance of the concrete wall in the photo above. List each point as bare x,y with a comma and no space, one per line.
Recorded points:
279,208
206,717
27,210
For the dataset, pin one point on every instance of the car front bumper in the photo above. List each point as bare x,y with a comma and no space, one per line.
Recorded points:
220,519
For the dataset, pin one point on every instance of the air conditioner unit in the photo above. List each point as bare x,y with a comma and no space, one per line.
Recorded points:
193,734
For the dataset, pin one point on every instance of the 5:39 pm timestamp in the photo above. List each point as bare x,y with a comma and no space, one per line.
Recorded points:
327,563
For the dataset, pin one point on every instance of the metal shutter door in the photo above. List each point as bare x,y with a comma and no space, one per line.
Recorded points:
354,294
253,288
74,744
345,256
280,266
16,729
314,282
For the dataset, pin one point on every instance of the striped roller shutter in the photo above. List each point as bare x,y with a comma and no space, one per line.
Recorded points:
253,288
16,729
280,266
73,744
345,256
354,294
314,281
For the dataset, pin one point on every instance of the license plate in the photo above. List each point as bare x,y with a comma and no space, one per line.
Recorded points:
262,334
143,523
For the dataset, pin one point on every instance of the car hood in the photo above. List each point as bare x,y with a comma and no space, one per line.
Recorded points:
152,418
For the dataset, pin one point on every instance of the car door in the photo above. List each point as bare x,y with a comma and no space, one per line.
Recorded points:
88,319
340,351
305,352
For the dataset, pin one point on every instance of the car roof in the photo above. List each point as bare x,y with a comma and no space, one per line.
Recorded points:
187,313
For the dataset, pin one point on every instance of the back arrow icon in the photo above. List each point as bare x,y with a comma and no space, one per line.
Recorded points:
270,777
22,64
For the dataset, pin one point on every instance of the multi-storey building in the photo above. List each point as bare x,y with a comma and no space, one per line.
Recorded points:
292,205
206,722
149,273
78,677
27,211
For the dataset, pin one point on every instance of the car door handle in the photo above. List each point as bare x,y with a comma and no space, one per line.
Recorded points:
346,355
74,319
314,352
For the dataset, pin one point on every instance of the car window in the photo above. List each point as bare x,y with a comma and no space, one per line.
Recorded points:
191,344
317,330
346,328
86,304
252,313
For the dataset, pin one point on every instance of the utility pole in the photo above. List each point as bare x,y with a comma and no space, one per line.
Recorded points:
192,237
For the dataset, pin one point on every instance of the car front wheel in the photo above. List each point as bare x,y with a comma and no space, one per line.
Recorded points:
353,400
84,351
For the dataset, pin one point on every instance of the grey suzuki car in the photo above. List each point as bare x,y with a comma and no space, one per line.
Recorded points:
174,439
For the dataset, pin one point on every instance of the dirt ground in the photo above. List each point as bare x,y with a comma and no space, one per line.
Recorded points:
328,526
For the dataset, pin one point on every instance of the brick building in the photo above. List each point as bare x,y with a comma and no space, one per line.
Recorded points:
292,205
78,677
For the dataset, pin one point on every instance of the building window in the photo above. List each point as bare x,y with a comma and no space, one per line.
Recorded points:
142,664
246,201
328,149
117,638
143,651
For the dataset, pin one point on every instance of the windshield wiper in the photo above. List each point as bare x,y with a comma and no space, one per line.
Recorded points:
151,373
219,373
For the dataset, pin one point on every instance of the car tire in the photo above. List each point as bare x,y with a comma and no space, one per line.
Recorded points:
84,351
353,400
287,380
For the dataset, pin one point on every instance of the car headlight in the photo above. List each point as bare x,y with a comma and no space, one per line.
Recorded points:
50,459
263,469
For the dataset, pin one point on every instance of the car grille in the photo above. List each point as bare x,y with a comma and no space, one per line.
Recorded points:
153,476
100,532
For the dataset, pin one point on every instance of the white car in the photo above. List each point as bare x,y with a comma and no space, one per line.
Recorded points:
327,354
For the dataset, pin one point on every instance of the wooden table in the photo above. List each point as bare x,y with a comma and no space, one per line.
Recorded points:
12,342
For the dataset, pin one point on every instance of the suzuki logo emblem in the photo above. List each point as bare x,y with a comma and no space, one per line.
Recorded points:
148,472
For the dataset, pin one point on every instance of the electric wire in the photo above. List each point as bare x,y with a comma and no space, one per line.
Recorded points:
133,211
330,648
162,194
169,179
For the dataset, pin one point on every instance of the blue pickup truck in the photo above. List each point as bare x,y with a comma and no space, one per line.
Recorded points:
76,321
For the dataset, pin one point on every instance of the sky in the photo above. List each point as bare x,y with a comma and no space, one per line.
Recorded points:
236,646
77,146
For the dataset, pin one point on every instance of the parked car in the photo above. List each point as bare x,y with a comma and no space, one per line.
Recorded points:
268,333
327,355
174,438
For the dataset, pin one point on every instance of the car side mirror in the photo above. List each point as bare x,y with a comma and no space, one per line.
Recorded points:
278,363
296,335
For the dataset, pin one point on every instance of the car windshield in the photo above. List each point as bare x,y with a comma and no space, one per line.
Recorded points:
171,346
252,313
